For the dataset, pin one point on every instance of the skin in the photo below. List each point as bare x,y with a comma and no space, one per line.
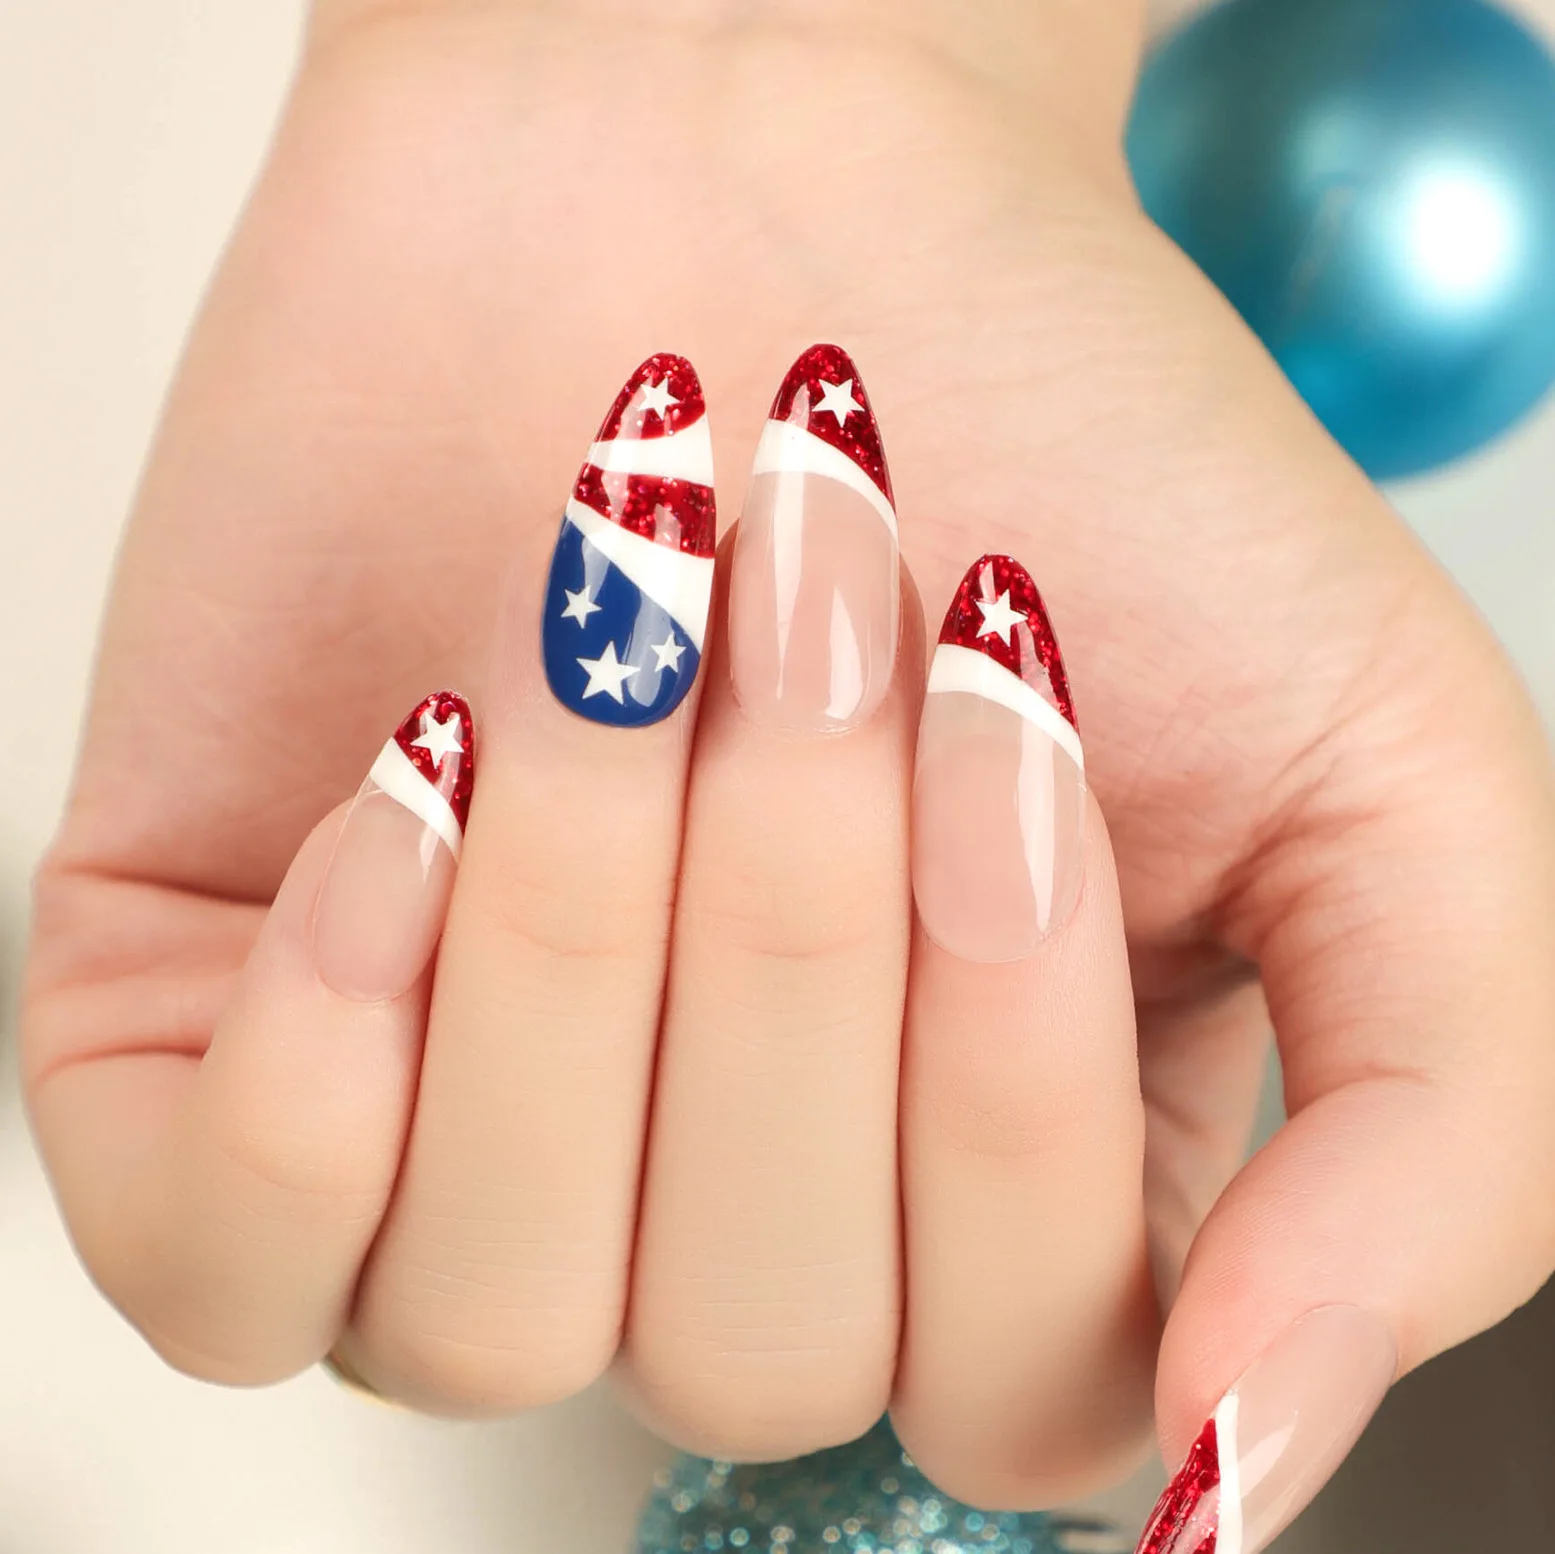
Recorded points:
1329,801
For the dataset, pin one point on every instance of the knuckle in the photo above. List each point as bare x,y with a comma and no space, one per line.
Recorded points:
466,1377
756,921
785,1396
186,1306
1010,1471
534,899
305,1176
187,1324
987,1122
204,1357
491,1363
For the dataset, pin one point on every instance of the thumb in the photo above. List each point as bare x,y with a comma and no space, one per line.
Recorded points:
1401,922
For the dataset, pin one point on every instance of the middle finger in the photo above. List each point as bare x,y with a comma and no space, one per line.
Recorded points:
766,1299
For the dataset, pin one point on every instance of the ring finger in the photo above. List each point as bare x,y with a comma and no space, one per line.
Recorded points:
1031,1323
500,1278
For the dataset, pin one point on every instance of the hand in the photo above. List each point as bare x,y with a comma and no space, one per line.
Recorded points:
1326,791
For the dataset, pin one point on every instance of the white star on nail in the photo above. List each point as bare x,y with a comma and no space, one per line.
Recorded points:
657,397
999,620
580,605
838,398
669,654
607,674
440,740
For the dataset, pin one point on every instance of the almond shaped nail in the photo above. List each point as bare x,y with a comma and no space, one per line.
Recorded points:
999,792
385,893
1277,1436
815,593
632,573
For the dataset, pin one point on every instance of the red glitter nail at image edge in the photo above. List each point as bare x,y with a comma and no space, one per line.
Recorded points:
1199,1474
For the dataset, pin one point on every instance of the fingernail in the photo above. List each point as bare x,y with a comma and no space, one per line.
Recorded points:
385,894
1277,1436
814,591
632,573
999,795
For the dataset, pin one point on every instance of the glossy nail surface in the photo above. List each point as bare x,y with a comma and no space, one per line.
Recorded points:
999,795
632,574
384,897
814,593
1277,1436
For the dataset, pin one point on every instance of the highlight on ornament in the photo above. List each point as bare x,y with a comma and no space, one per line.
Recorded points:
1371,183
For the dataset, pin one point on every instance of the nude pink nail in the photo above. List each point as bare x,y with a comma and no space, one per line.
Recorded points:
385,894
999,795
1277,1436
814,591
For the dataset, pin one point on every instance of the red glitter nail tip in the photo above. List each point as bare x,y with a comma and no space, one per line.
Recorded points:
1174,1512
438,739
680,513
662,397
998,611
824,395
631,579
632,476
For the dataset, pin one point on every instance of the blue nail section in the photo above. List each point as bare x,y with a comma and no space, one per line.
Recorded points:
632,575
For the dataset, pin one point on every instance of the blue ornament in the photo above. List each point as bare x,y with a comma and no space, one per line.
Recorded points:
866,1498
1372,185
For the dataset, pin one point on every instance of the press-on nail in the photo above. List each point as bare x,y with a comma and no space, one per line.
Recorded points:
814,593
999,794
1277,1436
384,897
632,573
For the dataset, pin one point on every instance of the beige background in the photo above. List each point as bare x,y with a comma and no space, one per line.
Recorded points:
128,132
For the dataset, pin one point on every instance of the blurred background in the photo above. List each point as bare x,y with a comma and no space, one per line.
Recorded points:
128,136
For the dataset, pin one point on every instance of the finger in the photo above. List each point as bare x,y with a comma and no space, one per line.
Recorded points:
766,1297
500,1279
1401,922
1025,1372
1203,1062
226,1202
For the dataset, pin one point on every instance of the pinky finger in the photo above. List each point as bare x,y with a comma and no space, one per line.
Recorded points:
226,1202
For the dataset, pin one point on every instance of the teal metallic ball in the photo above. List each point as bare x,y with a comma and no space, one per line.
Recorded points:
866,1498
1372,185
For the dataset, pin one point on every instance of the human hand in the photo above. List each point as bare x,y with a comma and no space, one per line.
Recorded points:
1312,759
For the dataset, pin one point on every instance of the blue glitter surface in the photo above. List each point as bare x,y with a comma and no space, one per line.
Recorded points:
866,1498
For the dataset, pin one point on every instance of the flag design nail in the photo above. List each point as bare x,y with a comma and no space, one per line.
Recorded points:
632,574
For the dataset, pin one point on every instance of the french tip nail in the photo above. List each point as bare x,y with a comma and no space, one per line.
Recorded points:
631,578
999,808
385,890
815,586
1277,1435
434,750
823,393
998,611
661,398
